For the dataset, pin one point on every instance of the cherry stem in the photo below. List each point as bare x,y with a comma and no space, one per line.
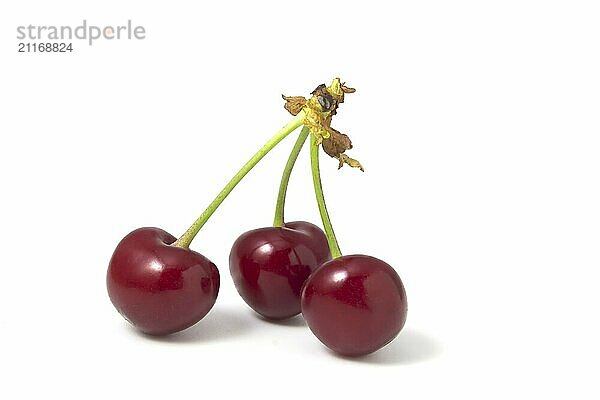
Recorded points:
285,178
316,175
189,235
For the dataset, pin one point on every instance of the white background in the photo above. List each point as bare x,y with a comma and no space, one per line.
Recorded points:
477,122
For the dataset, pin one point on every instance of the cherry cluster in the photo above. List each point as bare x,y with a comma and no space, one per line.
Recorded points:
354,304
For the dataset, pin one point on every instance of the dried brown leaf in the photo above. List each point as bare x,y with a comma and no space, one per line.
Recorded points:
336,143
294,104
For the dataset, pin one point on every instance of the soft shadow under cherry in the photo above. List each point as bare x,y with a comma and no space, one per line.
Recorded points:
293,321
218,325
410,347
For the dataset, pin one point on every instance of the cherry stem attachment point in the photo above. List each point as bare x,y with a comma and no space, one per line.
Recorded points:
316,175
278,221
189,235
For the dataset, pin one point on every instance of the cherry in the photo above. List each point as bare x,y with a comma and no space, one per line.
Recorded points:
354,304
270,265
157,286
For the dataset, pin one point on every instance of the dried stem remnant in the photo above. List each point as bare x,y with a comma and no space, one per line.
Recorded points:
319,109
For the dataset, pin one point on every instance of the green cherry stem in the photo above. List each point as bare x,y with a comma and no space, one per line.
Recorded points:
189,235
285,178
316,175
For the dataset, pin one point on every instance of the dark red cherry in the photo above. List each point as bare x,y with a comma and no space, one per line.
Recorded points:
270,265
158,287
354,304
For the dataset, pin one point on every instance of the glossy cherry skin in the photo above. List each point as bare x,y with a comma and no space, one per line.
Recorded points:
270,265
354,304
160,288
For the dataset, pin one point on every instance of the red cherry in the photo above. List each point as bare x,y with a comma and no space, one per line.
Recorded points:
354,304
158,287
270,265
